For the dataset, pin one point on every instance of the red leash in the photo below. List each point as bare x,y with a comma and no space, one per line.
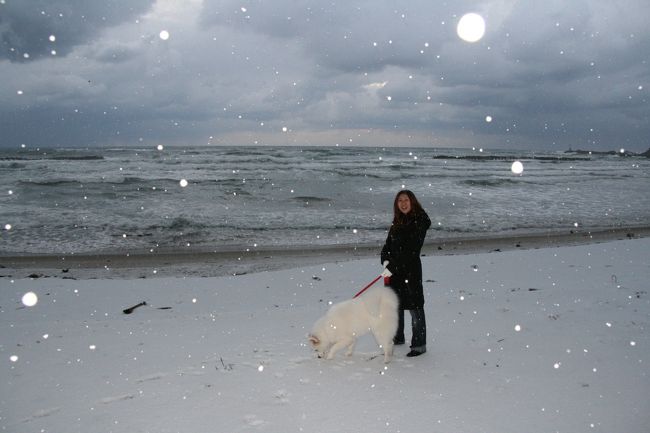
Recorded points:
368,286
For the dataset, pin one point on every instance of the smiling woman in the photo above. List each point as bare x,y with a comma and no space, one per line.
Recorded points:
401,256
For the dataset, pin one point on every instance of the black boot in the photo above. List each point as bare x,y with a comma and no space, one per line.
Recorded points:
416,352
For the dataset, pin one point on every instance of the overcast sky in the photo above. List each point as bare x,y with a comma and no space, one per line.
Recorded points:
547,74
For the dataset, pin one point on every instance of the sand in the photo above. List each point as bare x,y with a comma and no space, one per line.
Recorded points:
222,262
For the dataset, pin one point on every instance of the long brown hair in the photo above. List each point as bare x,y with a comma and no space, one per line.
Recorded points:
416,208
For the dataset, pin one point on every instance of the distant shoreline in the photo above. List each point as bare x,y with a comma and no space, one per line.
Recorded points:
231,262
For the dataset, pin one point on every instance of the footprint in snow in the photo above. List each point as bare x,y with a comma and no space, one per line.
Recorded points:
42,414
282,396
300,360
253,421
149,378
123,397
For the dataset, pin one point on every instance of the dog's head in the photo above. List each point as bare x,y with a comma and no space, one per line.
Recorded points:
317,344
314,341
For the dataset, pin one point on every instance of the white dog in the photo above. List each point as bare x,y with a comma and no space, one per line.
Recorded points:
374,311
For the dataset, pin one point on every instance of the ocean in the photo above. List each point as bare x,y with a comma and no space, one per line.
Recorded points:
63,201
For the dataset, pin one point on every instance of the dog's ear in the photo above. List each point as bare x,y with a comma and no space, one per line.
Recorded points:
314,340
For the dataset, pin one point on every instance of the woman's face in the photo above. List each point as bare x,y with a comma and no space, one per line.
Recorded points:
404,203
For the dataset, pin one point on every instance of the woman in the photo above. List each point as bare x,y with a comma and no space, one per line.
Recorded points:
402,251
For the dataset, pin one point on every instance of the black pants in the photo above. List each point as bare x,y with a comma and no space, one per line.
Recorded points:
418,326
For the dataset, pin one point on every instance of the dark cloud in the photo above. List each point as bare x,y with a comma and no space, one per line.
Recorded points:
549,74
116,54
32,29
350,37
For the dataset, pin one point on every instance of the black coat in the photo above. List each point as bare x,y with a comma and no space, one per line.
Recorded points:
402,250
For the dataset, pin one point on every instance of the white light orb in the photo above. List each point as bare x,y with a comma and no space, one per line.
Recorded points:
471,27
517,167
30,299
488,119
164,35
183,183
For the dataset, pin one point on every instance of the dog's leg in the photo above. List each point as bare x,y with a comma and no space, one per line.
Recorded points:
336,347
388,350
385,341
351,347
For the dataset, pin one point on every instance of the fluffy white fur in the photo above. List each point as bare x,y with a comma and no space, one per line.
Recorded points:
374,311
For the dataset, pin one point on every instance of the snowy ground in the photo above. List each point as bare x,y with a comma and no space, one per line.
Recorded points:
547,340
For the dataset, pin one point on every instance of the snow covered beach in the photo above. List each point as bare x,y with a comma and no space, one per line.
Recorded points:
552,339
